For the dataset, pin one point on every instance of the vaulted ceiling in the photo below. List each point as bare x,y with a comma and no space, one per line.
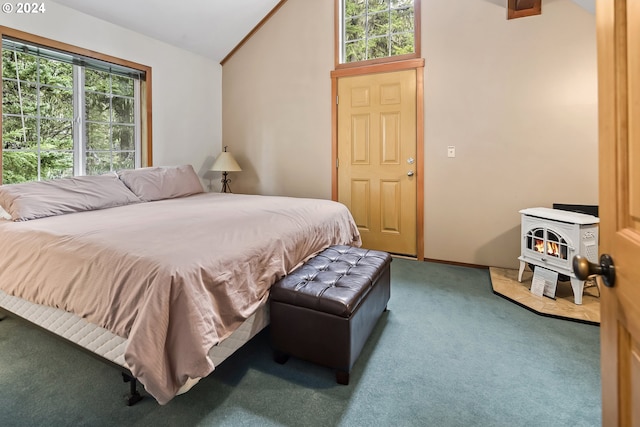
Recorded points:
211,28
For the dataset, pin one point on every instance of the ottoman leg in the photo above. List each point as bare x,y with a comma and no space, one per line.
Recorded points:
342,377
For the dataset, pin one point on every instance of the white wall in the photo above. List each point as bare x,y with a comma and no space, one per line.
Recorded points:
186,88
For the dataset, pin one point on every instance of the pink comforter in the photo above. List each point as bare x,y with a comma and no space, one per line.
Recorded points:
175,276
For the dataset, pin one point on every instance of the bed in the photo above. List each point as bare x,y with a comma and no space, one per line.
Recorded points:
152,274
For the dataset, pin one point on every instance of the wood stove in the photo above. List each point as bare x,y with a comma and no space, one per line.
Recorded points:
552,237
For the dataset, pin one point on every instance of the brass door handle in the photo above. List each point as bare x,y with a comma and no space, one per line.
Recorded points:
583,269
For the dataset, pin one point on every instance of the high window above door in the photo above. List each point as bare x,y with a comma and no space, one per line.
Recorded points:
373,31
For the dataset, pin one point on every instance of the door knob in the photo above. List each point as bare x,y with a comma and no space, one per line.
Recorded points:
410,173
583,269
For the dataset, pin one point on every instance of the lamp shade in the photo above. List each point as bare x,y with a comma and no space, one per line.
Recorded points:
225,163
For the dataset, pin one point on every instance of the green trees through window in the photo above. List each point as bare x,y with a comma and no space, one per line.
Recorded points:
373,29
62,119
37,125
110,122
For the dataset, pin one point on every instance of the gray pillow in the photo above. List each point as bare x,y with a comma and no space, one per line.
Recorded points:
157,183
38,199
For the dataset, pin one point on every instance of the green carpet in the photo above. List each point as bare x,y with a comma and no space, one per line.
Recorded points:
447,353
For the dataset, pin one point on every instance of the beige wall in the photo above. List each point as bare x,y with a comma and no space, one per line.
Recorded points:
516,98
186,88
276,110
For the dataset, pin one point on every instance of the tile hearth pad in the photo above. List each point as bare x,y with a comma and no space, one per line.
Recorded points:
505,284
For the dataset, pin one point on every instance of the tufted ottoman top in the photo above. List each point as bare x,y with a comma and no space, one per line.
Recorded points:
335,281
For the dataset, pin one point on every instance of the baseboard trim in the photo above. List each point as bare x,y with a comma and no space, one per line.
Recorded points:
459,264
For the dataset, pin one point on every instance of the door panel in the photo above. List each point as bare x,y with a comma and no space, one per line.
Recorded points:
391,201
360,148
360,202
376,137
390,94
618,33
390,138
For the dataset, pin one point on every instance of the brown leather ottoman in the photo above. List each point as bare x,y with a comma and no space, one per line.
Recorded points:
325,310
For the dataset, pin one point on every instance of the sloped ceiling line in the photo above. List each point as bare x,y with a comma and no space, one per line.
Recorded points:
253,31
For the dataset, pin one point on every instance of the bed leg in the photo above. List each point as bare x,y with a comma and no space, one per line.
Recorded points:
280,357
134,396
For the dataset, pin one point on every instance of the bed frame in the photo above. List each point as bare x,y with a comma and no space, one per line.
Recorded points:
108,347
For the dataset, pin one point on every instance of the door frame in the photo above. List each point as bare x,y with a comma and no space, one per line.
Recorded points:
418,65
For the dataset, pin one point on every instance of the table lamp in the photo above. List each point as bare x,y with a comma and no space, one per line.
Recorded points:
225,163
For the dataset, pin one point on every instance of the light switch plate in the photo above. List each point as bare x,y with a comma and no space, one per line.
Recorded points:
451,151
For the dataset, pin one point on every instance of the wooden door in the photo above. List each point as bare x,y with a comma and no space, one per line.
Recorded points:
618,33
377,170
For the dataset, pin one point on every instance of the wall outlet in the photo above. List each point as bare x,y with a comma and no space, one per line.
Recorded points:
451,151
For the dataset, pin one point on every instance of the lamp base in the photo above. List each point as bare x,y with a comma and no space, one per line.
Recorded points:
225,183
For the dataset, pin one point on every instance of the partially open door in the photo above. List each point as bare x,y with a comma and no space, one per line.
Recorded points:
618,32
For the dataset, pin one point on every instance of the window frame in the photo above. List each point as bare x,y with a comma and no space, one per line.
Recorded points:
144,110
338,20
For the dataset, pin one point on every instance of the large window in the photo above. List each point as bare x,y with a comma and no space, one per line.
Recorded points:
66,114
378,30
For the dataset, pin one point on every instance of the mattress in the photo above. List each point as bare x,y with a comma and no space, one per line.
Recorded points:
110,346
175,277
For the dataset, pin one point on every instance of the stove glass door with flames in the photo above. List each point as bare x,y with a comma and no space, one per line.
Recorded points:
549,245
